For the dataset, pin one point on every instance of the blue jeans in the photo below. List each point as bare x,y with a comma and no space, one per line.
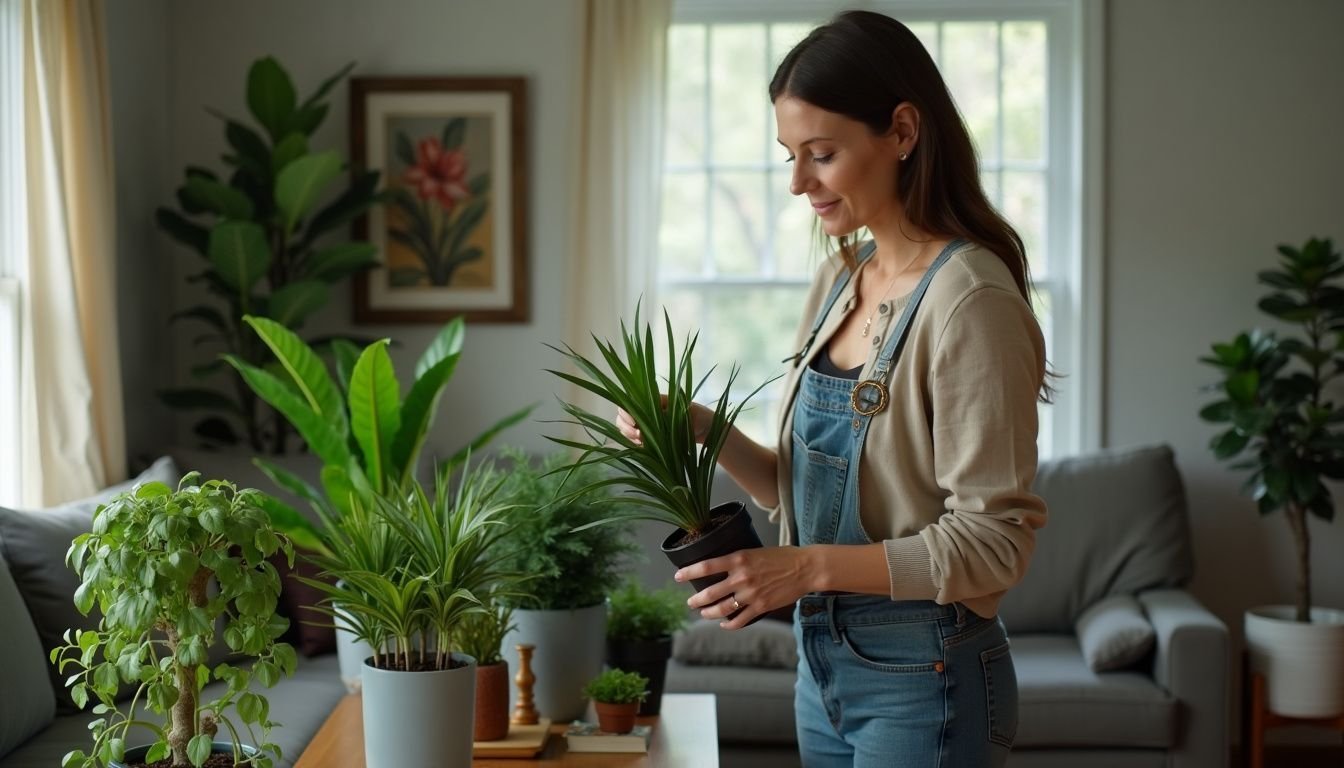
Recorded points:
911,684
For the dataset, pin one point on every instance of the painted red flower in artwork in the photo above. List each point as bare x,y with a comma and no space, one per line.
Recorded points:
439,174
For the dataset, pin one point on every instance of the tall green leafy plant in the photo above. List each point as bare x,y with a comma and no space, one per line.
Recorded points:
147,566
368,436
1273,398
671,474
267,247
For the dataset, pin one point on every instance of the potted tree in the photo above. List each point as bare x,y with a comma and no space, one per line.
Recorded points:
616,695
147,565
639,635
1273,397
481,636
405,570
670,474
562,608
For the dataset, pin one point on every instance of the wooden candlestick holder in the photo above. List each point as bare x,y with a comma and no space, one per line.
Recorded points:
524,713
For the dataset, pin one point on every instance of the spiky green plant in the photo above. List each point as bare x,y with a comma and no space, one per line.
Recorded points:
481,635
671,474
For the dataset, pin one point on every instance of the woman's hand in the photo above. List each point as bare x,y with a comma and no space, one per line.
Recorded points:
760,580
701,417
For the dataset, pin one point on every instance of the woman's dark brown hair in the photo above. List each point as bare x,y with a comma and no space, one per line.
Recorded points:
862,65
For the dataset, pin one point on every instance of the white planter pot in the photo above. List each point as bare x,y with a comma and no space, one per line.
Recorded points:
350,653
570,647
419,719
1303,664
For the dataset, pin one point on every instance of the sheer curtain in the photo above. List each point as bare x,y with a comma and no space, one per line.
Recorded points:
72,434
619,130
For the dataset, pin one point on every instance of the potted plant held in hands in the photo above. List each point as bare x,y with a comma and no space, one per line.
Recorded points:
639,635
670,472
616,695
1273,397
147,565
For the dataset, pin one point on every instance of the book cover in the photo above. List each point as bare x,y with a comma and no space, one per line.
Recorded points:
586,737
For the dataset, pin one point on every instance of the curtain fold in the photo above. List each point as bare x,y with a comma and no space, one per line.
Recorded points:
618,173
72,425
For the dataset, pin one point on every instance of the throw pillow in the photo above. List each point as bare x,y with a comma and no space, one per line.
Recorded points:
34,544
1114,633
763,644
28,704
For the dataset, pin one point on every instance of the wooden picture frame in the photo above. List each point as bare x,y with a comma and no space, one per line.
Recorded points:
452,236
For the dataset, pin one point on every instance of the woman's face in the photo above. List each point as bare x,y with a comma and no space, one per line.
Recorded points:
847,173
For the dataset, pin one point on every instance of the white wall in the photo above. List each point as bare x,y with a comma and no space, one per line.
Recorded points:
1224,140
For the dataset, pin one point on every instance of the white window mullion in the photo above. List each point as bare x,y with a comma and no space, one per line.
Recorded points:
13,235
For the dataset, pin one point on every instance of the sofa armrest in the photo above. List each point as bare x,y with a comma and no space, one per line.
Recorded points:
1192,664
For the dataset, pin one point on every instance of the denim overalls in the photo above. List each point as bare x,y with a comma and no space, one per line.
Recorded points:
881,682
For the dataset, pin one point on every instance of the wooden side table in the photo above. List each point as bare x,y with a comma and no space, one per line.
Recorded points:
1258,718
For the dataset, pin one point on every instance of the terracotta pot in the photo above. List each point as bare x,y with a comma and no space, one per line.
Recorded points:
492,702
616,718
737,532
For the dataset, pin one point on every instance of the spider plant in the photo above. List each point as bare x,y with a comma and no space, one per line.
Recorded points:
671,473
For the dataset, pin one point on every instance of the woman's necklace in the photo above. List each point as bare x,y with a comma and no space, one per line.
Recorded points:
869,322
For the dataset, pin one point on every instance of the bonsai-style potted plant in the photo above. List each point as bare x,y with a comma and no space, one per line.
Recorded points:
403,572
267,249
1273,396
616,695
640,624
481,636
147,565
562,608
670,473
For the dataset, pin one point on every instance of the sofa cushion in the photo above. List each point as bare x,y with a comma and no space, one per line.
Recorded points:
1117,525
753,704
28,703
1065,704
1113,633
34,544
763,644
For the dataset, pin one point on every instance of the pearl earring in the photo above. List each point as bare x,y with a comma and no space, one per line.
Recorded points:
903,156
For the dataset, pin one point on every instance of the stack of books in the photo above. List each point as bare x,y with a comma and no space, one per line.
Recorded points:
586,737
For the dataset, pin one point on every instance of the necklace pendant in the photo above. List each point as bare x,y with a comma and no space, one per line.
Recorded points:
867,323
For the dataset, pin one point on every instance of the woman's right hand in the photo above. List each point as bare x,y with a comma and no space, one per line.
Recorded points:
701,417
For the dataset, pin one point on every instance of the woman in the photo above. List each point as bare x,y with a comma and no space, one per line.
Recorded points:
908,443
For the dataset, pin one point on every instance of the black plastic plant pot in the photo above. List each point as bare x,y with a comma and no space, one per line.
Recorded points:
137,754
734,533
648,658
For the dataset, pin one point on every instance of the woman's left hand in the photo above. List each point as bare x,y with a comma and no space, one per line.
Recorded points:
760,579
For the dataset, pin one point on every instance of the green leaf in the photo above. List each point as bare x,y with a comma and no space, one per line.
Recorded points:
305,120
417,414
159,751
346,355
356,199
266,673
239,252
299,186
308,373
447,343
293,303
1242,387
322,437
249,707
190,234
375,411
454,131
80,695
404,149
339,262
328,84
1217,412
117,748
221,199
270,95
286,520
250,148
1229,444
485,437
287,150
198,749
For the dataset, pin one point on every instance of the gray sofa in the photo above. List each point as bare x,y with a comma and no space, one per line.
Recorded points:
1118,526
36,601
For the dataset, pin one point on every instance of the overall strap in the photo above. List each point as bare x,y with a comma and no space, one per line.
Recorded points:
896,340
840,282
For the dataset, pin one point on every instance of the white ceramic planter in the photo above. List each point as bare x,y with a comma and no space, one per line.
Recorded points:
350,653
419,719
1303,663
570,648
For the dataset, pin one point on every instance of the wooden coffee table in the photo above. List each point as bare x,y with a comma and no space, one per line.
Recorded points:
685,735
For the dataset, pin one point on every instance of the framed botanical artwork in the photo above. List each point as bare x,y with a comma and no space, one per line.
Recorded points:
452,234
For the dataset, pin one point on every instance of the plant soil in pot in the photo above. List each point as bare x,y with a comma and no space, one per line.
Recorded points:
733,532
221,756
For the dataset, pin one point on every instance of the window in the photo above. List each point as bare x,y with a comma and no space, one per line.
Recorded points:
11,239
737,250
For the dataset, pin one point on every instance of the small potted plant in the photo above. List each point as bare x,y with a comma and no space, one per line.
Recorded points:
670,473
616,695
148,565
1273,397
640,624
481,636
403,571
562,608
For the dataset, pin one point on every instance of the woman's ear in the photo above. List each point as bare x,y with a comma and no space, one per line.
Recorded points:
904,131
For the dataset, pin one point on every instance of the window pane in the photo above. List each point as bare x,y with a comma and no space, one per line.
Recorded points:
739,99
685,95
993,189
796,240
1024,90
738,215
782,39
681,236
970,66
1024,205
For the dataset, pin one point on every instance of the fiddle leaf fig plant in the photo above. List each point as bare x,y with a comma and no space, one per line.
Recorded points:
267,247
147,565
1272,397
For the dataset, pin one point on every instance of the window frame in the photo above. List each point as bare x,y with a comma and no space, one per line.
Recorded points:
13,235
1075,82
